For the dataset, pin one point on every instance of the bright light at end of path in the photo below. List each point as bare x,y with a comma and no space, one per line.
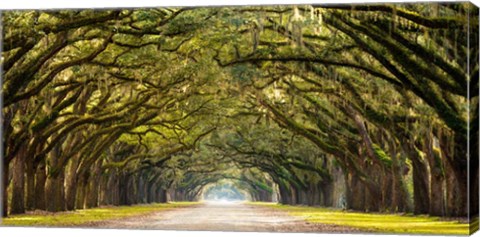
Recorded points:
223,201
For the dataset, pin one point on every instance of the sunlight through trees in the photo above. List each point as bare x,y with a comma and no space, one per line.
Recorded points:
366,107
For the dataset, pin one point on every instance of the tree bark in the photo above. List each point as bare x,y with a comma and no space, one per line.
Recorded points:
452,190
71,184
130,190
473,207
327,188
93,185
399,192
436,178
474,153
141,189
152,192
40,180
313,194
373,197
355,193
30,176
461,199
293,194
285,195
421,197
460,167
114,189
54,189
389,189
4,187
122,186
81,192
301,195
104,190
162,195
91,195
17,204
436,196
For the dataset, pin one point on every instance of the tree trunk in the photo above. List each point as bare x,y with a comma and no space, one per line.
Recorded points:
460,167
17,205
104,190
389,190
140,197
71,184
152,192
421,197
293,194
162,195
400,195
436,196
327,188
30,175
107,189
54,186
130,189
285,195
91,195
355,193
122,186
40,180
436,178
93,185
4,186
113,189
474,166
265,196
116,193
313,194
461,200
399,190
301,196
54,189
373,197
7,130
452,190
71,193
81,191
474,196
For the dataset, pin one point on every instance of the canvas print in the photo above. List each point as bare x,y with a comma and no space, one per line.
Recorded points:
323,118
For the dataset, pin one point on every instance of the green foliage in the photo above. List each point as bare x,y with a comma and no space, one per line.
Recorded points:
243,74
278,86
264,186
144,15
382,156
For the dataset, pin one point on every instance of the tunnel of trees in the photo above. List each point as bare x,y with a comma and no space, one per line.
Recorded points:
363,107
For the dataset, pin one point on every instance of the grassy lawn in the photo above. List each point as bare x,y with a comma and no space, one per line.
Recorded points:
79,217
385,223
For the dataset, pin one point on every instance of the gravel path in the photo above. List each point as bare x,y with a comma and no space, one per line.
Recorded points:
223,217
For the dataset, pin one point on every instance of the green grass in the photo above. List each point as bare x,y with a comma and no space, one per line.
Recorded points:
374,222
79,217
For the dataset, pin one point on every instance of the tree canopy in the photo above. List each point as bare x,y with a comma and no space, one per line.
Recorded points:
375,104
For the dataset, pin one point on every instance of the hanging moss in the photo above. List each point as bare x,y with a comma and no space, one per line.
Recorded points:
382,156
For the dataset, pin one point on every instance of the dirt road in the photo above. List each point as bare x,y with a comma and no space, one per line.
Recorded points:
235,216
